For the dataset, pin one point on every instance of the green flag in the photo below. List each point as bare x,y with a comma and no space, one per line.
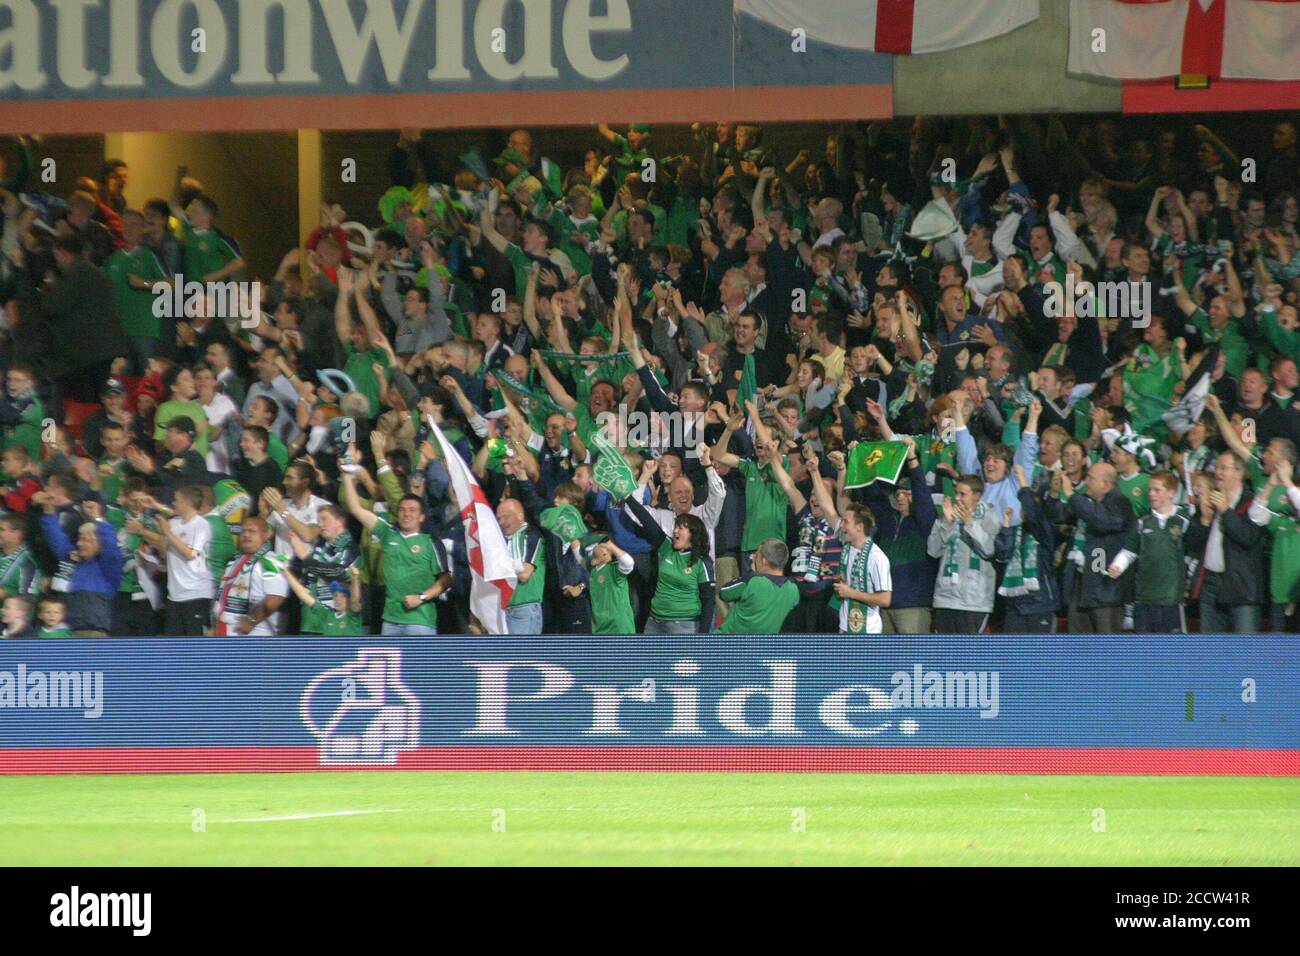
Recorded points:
552,177
872,461
611,470
747,390
274,563
565,521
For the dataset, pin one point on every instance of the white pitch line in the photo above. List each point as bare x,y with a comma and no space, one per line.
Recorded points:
307,816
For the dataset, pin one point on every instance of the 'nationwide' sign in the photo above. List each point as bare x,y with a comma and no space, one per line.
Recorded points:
244,64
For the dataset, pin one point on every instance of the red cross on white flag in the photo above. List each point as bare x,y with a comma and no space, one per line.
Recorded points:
493,575
1154,39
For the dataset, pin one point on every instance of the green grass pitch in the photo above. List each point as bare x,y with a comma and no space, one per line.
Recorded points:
647,818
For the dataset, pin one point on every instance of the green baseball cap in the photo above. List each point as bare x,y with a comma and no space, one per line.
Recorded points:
643,128
511,156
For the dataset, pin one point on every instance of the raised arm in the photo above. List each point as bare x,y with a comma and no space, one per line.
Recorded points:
1153,212
299,589
487,225
645,526
797,501
367,313
1236,297
553,386
530,303
343,307
368,519
1181,298
720,454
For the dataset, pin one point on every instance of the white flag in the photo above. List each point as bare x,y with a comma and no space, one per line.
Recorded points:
887,26
489,559
1153,39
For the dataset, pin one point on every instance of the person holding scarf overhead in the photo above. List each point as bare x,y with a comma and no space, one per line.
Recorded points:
1026,548
963,540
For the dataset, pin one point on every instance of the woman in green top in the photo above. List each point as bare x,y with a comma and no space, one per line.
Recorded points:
684,595
179,383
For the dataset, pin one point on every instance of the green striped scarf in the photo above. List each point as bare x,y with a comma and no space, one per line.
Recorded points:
605,358
1021,576
512,383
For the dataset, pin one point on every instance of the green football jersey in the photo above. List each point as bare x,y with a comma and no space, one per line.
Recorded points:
412,562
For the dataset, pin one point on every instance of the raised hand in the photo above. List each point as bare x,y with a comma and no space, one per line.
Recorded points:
963,513
949,512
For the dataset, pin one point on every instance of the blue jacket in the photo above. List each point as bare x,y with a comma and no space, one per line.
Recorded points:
93,586
1004,493
618,524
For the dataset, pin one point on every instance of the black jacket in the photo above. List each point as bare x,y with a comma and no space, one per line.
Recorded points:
81,314
1106,523
1035,524
1244,581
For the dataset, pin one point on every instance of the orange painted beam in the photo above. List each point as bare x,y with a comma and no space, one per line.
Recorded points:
1222,96
447,110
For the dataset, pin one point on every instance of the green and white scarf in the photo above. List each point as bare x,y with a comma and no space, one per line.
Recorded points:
601,358
950,566
1021,576
540,398
857,576
1077,544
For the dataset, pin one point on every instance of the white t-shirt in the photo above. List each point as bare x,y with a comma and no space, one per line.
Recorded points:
878,579
190,580
307,514
219,413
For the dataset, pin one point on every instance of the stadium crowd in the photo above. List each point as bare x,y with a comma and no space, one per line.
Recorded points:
684,384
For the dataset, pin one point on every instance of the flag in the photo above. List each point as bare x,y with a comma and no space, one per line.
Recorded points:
611,471
493,580
275,563
1187,411
1153,39
895,26
747,390
552,178
565,522
872,461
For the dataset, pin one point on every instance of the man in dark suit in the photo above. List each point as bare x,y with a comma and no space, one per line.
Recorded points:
79,309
